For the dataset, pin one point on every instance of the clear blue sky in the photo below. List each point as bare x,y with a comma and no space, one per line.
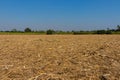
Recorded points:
59,14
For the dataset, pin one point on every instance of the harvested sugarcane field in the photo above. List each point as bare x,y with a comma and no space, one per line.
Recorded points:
59,57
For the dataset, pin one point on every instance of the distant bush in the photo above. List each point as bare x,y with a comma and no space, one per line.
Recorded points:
27,30
103,32
81,32
108,32
76,32
14,30
50,32
100,32
118,28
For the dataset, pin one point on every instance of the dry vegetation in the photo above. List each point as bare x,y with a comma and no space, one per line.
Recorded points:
68,57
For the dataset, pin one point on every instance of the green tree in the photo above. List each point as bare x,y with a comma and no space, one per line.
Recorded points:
118,27
49,32
108,32
14,30
100,32
27,30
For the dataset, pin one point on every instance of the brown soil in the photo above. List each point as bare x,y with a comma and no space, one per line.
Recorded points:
57,57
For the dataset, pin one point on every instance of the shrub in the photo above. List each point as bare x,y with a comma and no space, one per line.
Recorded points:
108,32
50,32
81,32
100,32
103,32
27,30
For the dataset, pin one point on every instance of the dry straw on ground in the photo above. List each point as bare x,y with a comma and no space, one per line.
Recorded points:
56,57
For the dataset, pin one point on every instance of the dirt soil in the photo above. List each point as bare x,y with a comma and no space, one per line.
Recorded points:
59,57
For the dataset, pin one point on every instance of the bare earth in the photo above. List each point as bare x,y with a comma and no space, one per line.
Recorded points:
59,57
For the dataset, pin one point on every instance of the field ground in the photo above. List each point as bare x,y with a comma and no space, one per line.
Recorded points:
59,57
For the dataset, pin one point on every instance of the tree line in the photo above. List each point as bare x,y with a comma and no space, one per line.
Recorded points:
51,31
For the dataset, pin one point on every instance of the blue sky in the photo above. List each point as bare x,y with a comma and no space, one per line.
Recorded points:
59,14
